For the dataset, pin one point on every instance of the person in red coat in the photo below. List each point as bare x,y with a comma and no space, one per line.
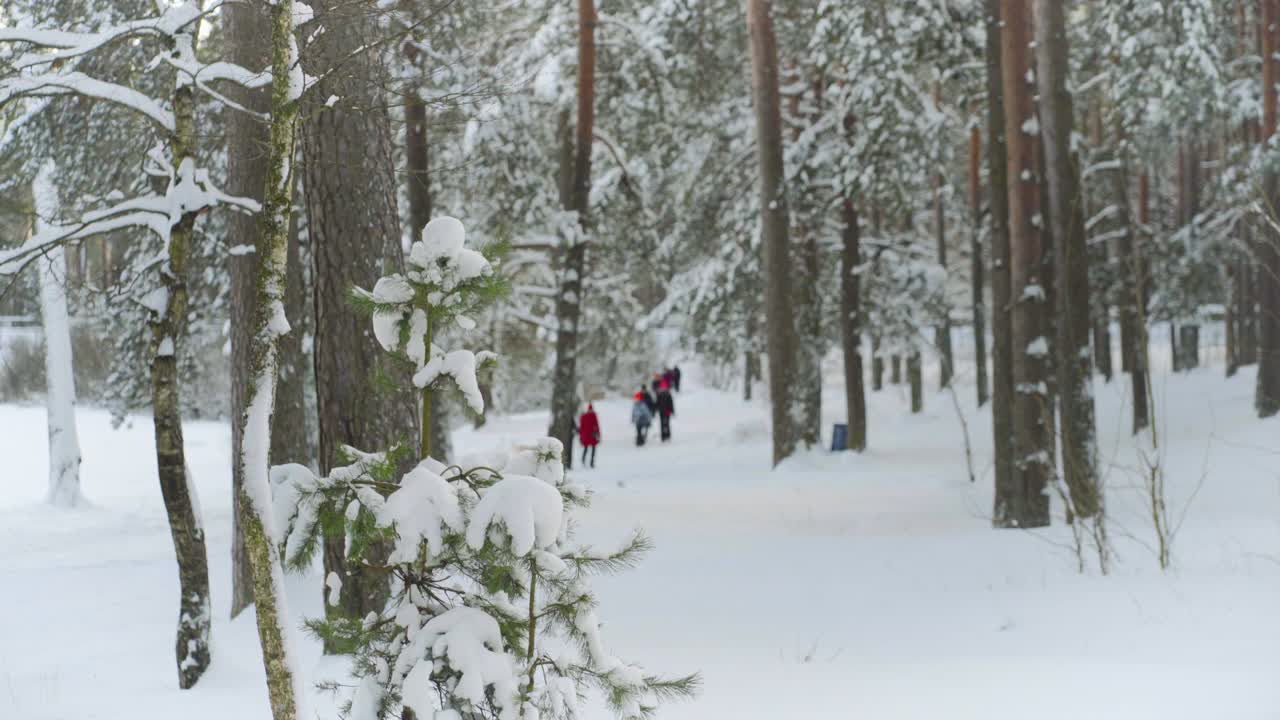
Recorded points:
589,434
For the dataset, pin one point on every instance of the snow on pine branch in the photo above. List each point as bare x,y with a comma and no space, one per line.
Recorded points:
443,284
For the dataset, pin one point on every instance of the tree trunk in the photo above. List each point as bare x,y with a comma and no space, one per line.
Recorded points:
942,336
1002,395
851,330
418,169
877,365
895,370
1033,443
353,225
167,329
1074,366
977,267
774,222
1267,393
60,381
1136,343
564,390
809,341
284,683
916,378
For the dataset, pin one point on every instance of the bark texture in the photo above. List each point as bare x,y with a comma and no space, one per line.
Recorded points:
1006,488
1071,262
564,383
167,329
354,230
254,496
1033,441
249,43
780,335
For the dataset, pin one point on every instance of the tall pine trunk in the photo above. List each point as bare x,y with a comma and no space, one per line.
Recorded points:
942,337
1267,393
851,329
1032,406
780,335
977,268
564,383
1071,262
1002,396
354,229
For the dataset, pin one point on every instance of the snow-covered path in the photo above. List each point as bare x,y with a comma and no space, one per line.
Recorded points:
837,586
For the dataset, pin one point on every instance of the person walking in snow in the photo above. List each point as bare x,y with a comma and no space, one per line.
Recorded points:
649,402
589,434
666,408
669,378
657,380
675,376
641,416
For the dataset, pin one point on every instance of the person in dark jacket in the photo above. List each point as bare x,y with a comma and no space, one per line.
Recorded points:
589,434
641,417
666,408
669,378
675,375
657,380
649,402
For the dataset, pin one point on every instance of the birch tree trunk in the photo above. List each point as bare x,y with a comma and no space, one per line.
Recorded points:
564,389
1033,442
285,687
780,335
249,43
60,382
1071,262
1002,396
167,328
851,329
942,335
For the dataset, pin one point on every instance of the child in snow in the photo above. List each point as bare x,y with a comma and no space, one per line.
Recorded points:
589,434
641,416
666,408
649,402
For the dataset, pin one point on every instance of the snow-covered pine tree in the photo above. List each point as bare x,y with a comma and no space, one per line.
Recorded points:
491,614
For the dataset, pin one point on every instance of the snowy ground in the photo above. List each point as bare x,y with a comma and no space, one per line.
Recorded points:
838,586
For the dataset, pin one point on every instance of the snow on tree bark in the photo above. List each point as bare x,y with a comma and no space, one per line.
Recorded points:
1071,261
60,388
780,334
167,329
1033,441
285,687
